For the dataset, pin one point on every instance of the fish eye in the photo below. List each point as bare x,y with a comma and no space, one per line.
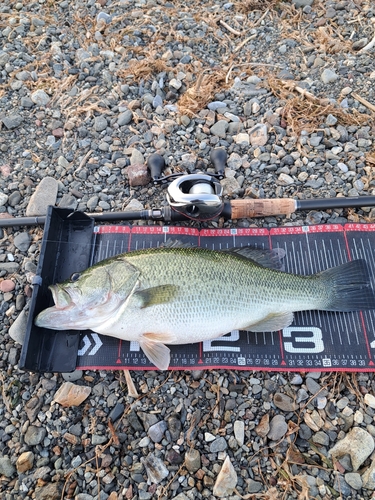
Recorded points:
75,277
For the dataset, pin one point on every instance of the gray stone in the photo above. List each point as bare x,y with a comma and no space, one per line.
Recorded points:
18,329
133,205
284,402
134,421
230,186
148,419
35,435
219,128
155,468
226,480
214,105
219,444
92,203
234,161
354,480
50,491
7,469
26,102
331,120
239,431
136,157
368,477
342,486
100,123
72,376
315,140
329,76
302,3
192,460
144,442
125,118
3,199
305,432
258,135
313,387
253,486
14,198
116,412
158,101
68,201
9,267
321,437
174,426
285,179
181,496
22,241
104,16
44,195
4,57
40,98
359,444
12,121
23,76
156,431
175,83
98,439
278,428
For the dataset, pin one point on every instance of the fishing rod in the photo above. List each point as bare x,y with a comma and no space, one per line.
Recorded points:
199,197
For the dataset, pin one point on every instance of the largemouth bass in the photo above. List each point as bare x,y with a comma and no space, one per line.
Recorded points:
186,295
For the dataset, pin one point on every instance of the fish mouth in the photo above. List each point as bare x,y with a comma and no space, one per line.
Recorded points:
61,297
55,317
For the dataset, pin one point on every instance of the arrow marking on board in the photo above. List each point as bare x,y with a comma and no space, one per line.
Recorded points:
98,344
87,344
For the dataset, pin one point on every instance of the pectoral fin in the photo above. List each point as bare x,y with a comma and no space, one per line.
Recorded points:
157,352
156,295
272,322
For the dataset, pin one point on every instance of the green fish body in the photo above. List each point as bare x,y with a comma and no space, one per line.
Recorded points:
187,295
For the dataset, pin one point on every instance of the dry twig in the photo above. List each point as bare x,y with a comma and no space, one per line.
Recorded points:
229,28
363,101
132,391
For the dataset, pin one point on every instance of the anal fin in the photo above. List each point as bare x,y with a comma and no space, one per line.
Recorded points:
153,345
272,322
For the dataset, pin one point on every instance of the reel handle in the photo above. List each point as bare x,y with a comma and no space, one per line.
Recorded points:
219,157
156,165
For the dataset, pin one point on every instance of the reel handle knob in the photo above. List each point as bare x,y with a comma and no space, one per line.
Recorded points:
219,159
155,164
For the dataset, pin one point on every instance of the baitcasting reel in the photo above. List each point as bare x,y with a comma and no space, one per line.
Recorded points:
195,196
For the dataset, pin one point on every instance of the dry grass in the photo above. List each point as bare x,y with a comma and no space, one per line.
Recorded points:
247,6
202,92
304,111
145,68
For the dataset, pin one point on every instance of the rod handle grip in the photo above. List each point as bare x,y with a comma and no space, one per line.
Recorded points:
248,208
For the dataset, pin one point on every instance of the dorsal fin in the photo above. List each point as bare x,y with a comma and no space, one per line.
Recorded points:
265,258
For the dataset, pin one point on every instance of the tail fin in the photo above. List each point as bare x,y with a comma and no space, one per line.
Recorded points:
348,287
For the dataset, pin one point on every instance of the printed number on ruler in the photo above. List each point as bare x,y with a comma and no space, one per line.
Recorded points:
233,336
303,339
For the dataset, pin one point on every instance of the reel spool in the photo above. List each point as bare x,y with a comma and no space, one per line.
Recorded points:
196,196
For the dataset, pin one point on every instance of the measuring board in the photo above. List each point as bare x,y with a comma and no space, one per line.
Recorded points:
315,341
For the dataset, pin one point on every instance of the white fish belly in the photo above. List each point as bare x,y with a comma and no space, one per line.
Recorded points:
187,321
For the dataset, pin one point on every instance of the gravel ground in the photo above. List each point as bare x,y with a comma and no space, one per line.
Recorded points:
87,92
